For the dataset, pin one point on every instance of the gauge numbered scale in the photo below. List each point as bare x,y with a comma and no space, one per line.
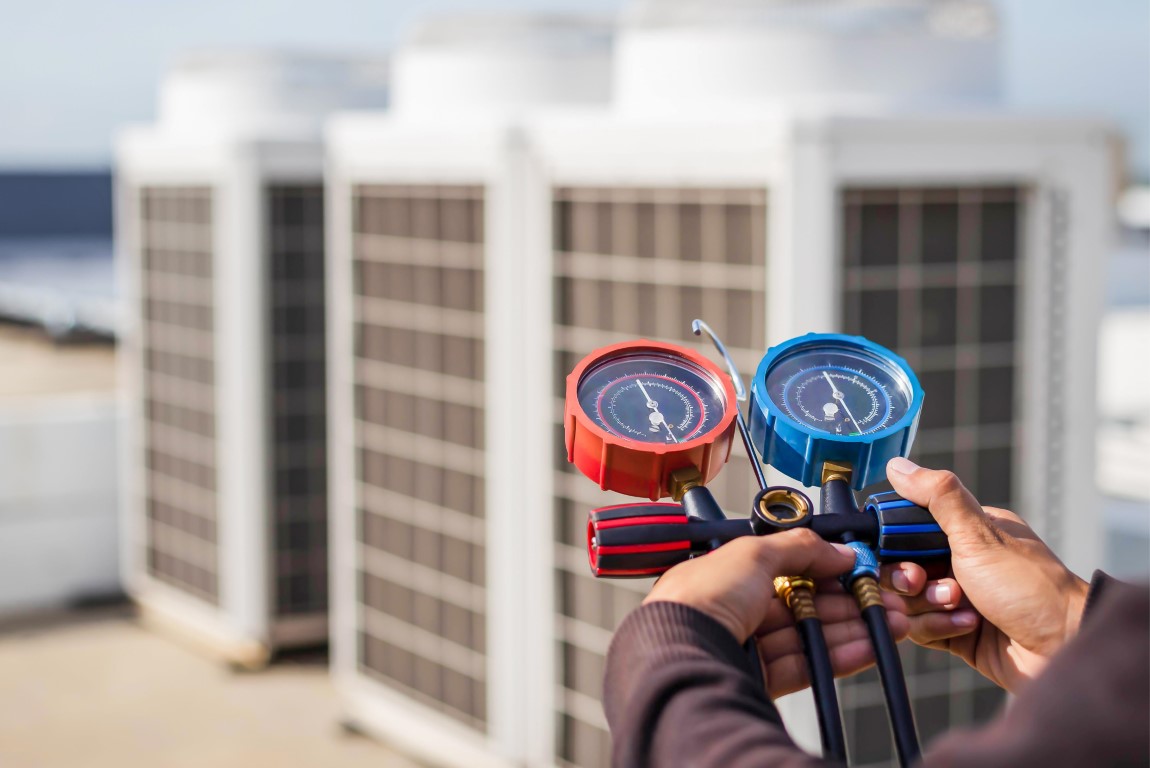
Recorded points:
829,397
638,411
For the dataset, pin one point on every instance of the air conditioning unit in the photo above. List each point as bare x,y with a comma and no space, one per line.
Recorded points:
439,561
220,229
787,167
774,168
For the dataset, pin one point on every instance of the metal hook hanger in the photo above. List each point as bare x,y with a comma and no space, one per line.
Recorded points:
697,327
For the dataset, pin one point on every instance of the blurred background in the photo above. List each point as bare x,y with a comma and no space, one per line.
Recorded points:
287,299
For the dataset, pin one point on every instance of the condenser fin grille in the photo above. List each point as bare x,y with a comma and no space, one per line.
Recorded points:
630,263
298,390
934,273
419,430
177,333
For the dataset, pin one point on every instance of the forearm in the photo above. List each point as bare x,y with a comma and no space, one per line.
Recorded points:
680,690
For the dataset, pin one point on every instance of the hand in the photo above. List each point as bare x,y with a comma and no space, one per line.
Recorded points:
1026,603
734,585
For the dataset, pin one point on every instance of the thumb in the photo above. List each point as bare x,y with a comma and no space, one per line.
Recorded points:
802,551
953,507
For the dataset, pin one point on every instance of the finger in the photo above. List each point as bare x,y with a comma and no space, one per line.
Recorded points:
789,673
953,507
934,627
941,595
829,585
800,551
786,640
903,578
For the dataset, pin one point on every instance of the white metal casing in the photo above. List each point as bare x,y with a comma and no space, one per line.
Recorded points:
233,123
490,152
242,630
803,163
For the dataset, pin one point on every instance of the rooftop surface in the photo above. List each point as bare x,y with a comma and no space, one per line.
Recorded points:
98,690
35,367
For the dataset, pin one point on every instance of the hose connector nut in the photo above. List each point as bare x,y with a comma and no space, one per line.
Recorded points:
798,592
865,564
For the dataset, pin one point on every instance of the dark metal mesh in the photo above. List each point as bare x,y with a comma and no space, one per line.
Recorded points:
298,426
934,274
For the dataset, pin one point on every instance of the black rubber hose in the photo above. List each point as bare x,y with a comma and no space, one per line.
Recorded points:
823,688
893,685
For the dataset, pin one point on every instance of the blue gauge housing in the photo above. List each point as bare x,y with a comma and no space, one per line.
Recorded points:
832,397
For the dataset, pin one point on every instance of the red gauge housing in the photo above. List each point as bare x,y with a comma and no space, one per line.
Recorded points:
634,467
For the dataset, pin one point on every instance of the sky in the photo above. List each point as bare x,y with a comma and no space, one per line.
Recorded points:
72,71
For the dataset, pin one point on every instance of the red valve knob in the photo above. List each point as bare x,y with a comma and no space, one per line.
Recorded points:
637,540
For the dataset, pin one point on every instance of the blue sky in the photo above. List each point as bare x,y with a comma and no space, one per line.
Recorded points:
71,71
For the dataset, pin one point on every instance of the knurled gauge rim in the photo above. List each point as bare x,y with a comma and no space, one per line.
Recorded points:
635,468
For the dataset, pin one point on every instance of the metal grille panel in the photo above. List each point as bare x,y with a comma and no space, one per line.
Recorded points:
935,275
298,427
630,263
418,287
178,387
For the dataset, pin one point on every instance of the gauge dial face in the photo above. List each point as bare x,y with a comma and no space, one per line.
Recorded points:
839,390
651,397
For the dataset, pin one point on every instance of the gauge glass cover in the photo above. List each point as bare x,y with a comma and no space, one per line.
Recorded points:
839,390
651,397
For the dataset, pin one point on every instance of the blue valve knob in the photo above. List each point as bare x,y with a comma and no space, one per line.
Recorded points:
906,531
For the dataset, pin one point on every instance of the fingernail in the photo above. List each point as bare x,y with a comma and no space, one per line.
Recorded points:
900,465
900,582
844,549
964,618
939,594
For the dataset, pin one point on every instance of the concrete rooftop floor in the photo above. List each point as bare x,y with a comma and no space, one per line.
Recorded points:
95,689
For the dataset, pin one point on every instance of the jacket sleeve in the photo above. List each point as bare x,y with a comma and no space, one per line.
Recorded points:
1090,706
680,691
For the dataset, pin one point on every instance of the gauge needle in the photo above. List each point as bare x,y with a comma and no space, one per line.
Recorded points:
655,409
842,401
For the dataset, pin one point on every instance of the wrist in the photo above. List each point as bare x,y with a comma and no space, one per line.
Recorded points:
713,611
1077,592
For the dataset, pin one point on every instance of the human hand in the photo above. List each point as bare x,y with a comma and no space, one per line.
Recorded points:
1026,603
735,586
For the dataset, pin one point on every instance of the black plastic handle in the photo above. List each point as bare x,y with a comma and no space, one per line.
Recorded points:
646,539
906,531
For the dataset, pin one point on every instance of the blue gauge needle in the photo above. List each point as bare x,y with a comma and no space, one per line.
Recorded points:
657,417
842,401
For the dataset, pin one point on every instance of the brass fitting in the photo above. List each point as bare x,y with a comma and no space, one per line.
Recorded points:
786,497
866,592
798,592
683,480
833,470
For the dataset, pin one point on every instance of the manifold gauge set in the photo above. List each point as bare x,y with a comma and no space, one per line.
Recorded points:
658,421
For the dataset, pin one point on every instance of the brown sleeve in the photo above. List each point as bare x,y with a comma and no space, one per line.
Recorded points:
1091,706
679,691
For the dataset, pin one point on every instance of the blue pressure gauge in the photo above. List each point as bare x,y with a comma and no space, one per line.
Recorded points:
829,397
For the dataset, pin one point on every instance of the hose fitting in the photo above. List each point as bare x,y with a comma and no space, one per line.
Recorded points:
798,592
866,592
865,564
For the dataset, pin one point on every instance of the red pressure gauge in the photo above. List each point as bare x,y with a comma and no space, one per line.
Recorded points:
638,411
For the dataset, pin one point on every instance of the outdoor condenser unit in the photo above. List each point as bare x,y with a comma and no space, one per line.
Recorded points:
439,564
220,230
782,168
